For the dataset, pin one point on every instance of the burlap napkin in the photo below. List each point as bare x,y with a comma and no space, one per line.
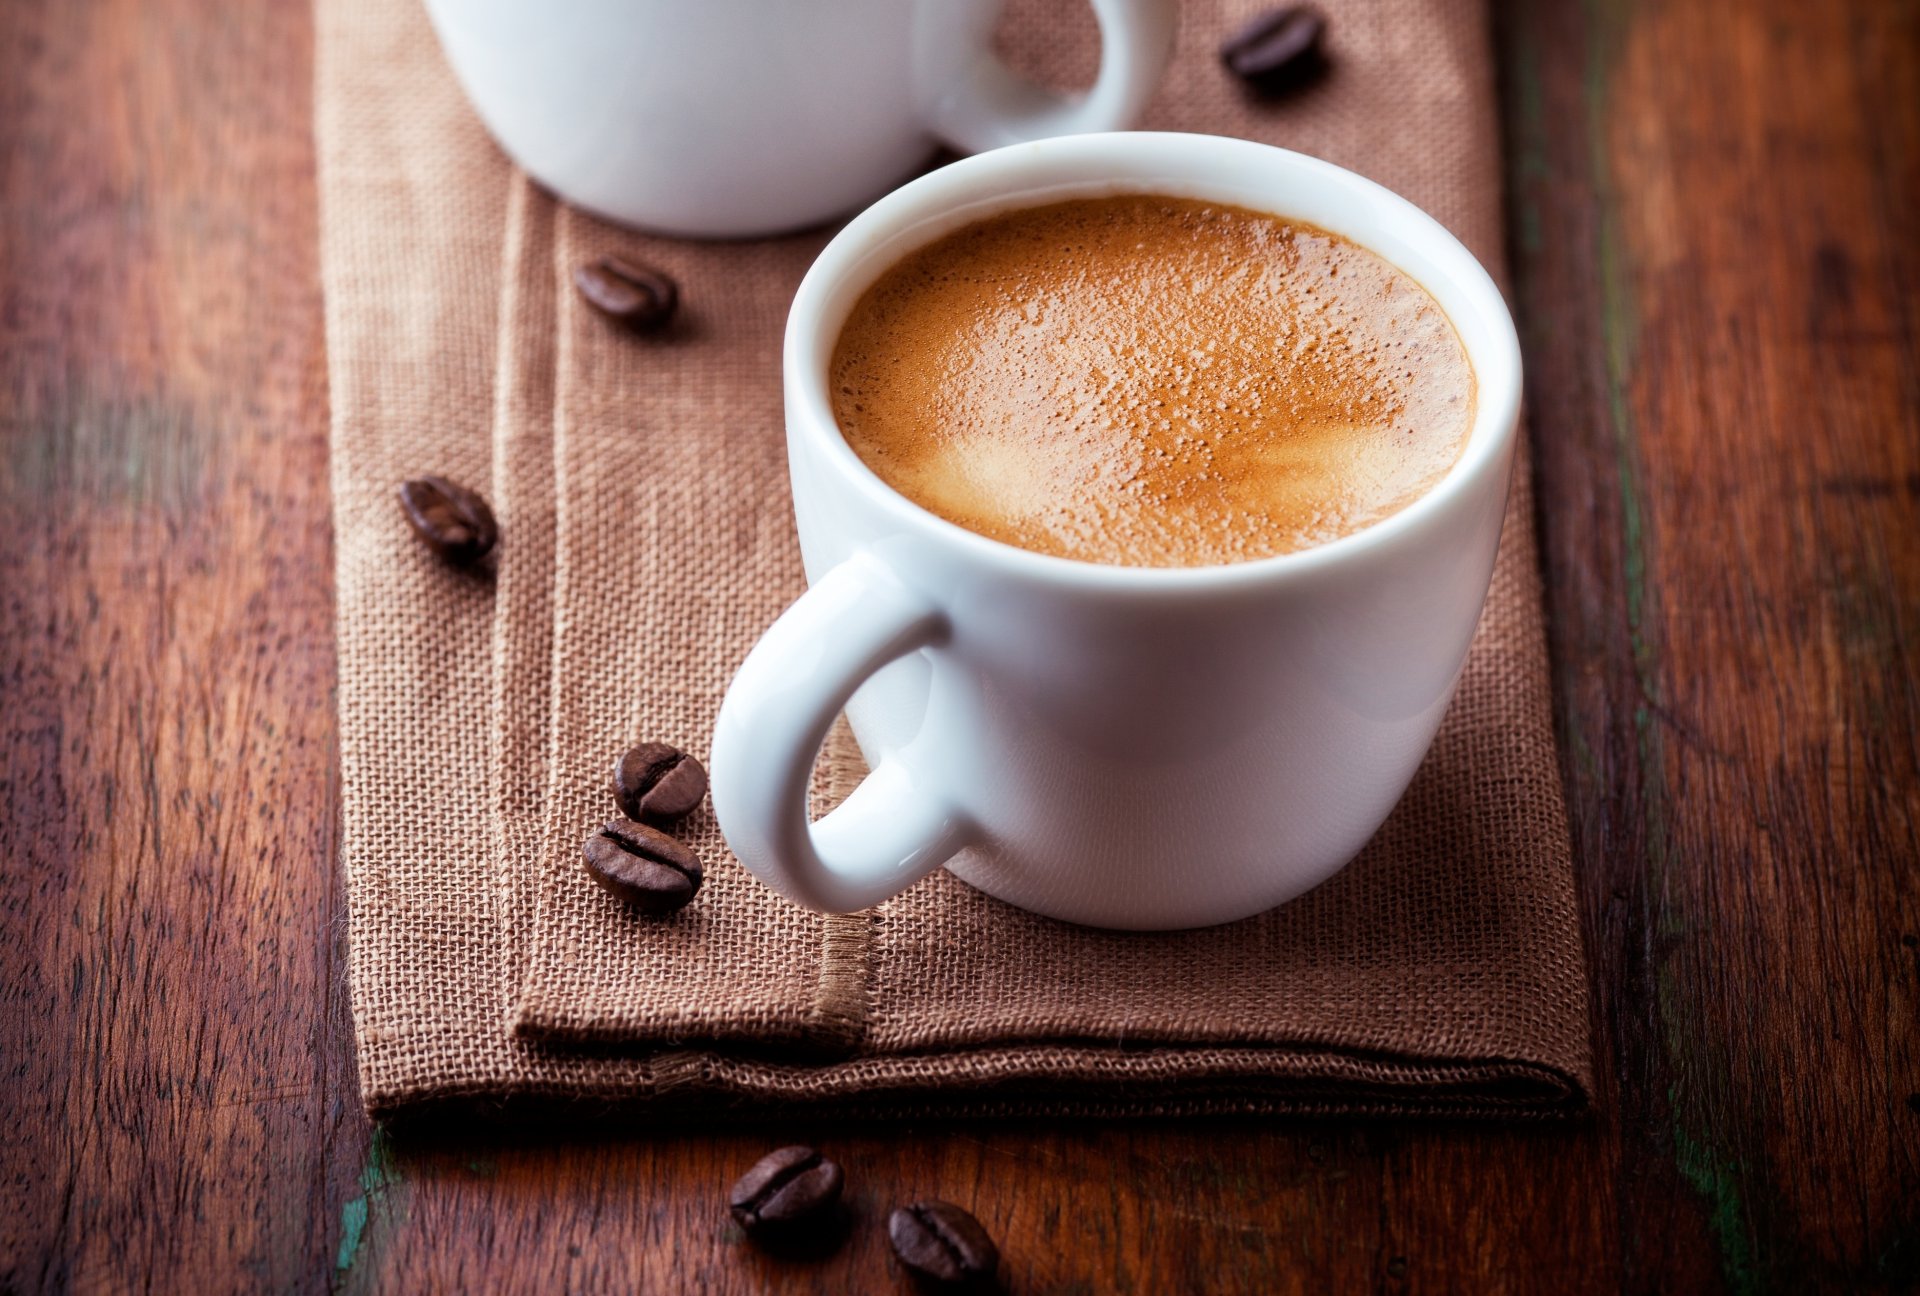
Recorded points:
648,540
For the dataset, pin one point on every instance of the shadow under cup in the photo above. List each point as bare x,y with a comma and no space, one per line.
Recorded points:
1132,747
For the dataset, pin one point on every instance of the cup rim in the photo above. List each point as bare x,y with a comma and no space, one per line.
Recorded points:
1174,163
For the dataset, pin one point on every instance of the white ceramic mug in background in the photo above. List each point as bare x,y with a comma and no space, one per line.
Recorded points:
1120,746
728,118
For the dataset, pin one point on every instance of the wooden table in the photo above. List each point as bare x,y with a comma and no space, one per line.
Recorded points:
1716,229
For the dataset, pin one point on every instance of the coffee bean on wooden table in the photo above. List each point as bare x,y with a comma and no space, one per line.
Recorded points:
642,866
656,783
943,1244
633,295
454,521
1277,50
790,1198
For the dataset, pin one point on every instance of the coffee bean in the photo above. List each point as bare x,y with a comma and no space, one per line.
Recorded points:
629,293
944,1244
1278,50
655,783
791,1197
454,521
642,866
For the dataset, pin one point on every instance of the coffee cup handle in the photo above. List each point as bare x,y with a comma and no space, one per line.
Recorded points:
890,832
993,105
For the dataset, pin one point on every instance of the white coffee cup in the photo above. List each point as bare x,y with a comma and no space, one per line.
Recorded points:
725,118
1118,746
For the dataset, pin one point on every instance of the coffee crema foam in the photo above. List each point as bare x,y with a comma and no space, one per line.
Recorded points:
1152,381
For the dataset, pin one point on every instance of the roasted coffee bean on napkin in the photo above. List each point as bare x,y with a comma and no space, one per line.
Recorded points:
643,867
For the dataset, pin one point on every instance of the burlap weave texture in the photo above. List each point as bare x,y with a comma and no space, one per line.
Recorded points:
648,540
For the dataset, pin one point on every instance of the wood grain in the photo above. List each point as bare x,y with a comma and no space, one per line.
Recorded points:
1729,443
1713,228
178,1094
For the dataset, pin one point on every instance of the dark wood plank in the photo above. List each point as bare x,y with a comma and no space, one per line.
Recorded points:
1714,211
1713,218
179,1102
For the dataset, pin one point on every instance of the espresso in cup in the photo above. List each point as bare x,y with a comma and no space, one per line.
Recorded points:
1152,381
1161,737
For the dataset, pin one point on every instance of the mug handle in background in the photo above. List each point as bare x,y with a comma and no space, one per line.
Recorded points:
994,105
890,832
